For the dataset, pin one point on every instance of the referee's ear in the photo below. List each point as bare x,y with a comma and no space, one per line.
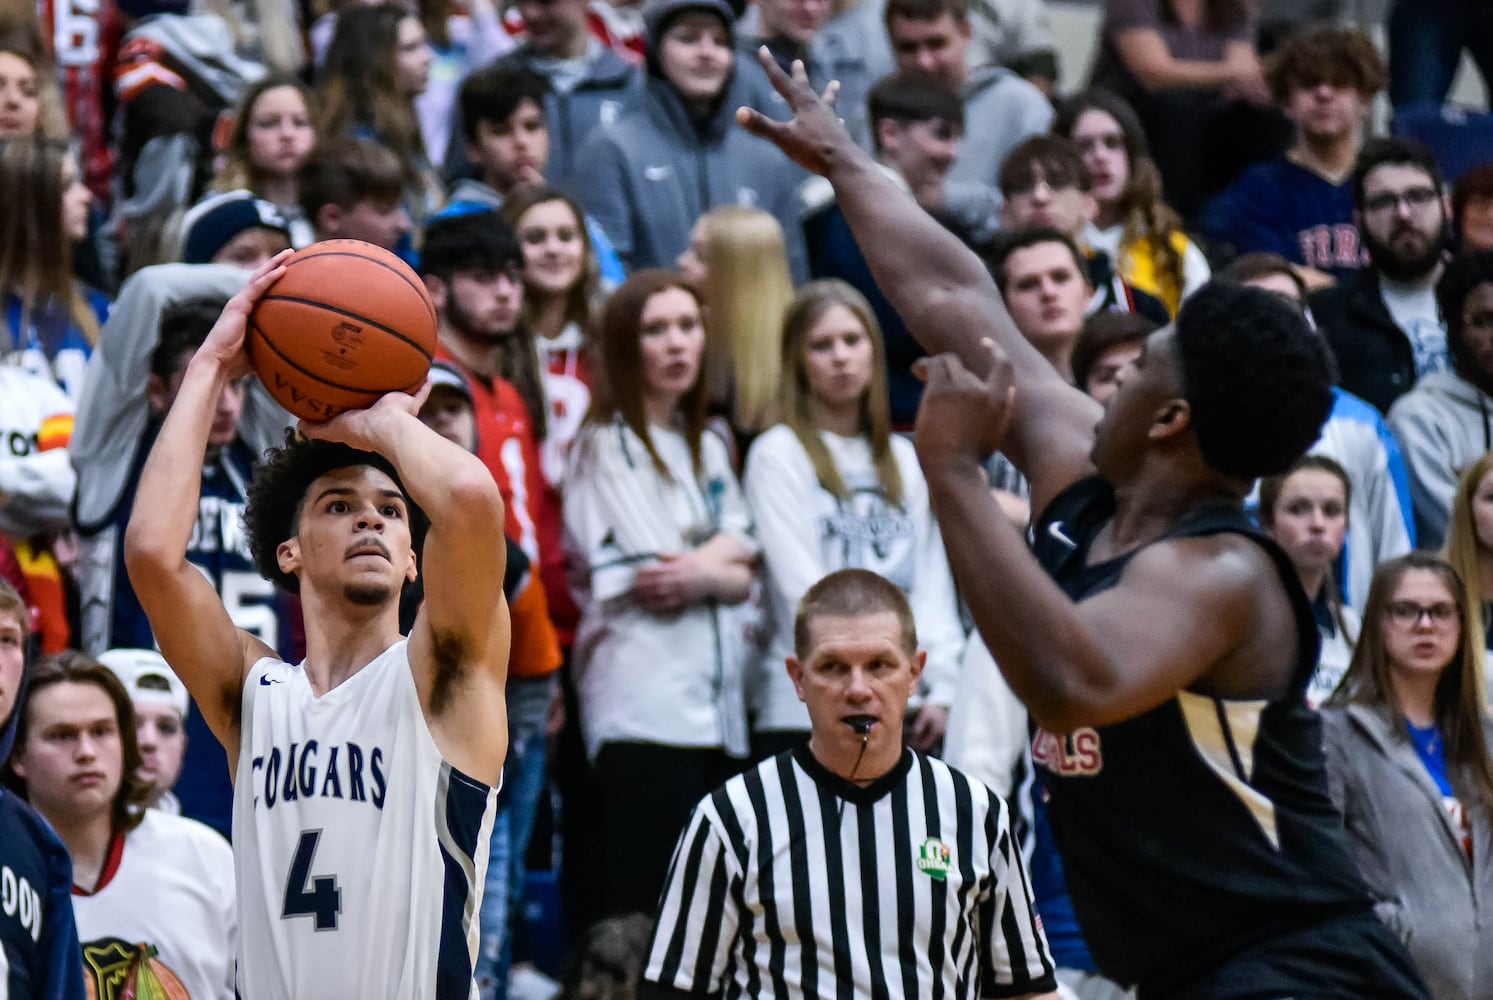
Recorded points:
796,674
919,661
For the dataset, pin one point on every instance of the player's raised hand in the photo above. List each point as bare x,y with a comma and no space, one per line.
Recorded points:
963,416
225,342
361,429
814,136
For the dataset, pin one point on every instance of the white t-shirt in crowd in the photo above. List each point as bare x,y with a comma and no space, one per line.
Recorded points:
173,890
1414,311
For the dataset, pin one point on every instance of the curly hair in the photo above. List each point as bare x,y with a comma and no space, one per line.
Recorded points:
1463,273
278,488
1257,377
1326,53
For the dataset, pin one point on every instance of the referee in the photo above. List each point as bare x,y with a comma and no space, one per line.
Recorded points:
849,866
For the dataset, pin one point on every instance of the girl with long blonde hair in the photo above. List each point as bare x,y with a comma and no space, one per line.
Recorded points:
1469,547
737,261
830,488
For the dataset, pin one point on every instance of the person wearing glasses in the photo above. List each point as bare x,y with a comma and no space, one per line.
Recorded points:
1406,737
1383,323
1446,422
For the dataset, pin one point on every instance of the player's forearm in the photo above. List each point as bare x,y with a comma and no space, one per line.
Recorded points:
447,482
165,510
1030,626
936,283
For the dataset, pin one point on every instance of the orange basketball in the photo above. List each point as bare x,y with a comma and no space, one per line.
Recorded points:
347,322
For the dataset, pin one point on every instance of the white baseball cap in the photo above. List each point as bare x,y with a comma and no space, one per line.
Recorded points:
132,666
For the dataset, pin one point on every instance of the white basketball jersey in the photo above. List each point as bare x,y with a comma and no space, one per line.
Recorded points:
360,853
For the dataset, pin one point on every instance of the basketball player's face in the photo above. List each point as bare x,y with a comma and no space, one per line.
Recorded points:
1427,643
1147,387
857,671
73,758
163,743
354,538
838,358
12,662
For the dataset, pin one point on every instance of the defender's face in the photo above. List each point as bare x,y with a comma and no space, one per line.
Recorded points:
1145,387
353,538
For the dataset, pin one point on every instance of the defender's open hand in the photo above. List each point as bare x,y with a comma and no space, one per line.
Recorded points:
814,136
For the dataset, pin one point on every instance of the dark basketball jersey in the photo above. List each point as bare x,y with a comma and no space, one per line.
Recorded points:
1203,827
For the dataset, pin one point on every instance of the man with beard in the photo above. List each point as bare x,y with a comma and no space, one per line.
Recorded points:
1383,324
1446,422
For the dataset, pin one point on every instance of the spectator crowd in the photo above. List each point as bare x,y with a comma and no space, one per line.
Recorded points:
661,336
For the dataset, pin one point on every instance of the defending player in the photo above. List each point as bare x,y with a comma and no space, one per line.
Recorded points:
364,776
1166,666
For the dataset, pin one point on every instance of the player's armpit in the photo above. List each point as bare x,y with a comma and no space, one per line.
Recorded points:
1199,614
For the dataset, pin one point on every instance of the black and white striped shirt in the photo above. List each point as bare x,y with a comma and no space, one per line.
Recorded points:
921,894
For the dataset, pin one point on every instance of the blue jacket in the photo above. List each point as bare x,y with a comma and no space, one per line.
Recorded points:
648,178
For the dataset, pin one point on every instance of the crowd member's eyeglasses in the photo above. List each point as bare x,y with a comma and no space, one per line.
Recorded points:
1389,201
1407,614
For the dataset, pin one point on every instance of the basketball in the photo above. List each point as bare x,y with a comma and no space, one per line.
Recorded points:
347,322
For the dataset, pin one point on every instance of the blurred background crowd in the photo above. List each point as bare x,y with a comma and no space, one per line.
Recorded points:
664,341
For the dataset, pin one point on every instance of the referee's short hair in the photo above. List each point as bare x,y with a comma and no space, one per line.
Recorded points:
851,593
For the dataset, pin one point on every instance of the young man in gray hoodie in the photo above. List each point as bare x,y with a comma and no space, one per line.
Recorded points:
1445,423
676,152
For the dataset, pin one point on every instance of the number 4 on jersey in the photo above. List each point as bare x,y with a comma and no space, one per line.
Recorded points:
305,896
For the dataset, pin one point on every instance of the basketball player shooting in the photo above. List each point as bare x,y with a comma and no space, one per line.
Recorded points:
1161,646
365,776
